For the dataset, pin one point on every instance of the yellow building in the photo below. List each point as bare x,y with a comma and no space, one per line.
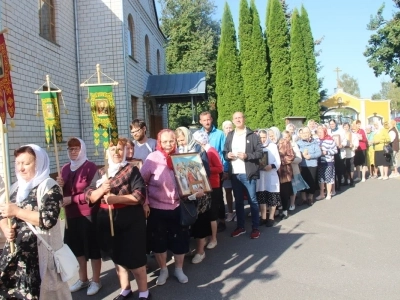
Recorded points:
344,107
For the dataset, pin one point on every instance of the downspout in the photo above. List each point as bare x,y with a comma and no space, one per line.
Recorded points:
128,117
78,68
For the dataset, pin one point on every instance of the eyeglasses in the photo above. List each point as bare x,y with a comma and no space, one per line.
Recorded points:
135,131
74,149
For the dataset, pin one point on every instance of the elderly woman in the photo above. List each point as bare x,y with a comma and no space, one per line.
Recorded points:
381,139
310,152
121,189
326,165
80,232
216,169
202,228
370,153
292,131
285,171
23,274
394,143
164,227
348,153
227,127
268,188
298,183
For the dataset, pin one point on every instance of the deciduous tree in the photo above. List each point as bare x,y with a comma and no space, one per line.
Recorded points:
349,84
192,44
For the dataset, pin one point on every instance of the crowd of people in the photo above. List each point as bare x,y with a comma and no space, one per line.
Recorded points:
130,208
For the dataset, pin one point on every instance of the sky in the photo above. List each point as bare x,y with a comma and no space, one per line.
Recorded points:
342,24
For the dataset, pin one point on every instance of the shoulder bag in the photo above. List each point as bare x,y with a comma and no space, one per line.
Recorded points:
65,261
188,212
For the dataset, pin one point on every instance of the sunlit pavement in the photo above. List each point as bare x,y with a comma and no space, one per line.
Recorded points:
344,248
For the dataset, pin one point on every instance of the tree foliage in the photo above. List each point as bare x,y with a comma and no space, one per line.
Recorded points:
391,91
383,50
192,45
313,96
349,84
298,64
229,83
259,106
278,46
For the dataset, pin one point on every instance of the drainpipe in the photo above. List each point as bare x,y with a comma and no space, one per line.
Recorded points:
128,117
78,68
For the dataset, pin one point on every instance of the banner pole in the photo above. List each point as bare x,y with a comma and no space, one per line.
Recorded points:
6,176
106,160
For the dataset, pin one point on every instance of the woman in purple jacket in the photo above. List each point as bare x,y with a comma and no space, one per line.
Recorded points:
80,231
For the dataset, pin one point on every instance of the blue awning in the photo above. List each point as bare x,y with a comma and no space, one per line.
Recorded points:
175,88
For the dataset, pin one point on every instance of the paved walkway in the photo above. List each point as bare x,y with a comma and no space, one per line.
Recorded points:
344,248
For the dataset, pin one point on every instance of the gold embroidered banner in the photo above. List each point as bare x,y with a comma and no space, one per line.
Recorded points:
51,116
6,90
104,115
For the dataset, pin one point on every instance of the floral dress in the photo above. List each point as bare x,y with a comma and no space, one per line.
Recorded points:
19,271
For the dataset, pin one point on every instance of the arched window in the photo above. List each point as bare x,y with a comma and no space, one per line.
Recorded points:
47,23
158,62
131,36
147,46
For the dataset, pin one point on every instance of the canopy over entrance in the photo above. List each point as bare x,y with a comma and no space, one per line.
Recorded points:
177,88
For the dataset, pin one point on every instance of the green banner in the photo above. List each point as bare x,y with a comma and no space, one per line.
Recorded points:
104,115
51,116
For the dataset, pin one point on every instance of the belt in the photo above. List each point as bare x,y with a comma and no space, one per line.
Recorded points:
112,206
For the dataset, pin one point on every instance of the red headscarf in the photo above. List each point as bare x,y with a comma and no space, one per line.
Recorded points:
326,135
159,147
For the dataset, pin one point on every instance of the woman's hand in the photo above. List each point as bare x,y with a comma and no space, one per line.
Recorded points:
9,210
200,192
67,201
106,187
9,233
268,168
146,210
306,156
60,181
107,198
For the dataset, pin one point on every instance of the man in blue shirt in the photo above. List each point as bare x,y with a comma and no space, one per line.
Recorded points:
216,139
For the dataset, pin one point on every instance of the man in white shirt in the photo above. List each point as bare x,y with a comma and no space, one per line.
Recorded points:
143,145
243,151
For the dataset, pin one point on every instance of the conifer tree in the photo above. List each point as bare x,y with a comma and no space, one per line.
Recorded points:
313,96
258,104
278,46
299,70
229,84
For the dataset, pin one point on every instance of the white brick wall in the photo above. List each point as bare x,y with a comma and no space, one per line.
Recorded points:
101,25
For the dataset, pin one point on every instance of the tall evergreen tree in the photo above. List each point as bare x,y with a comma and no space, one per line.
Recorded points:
278,45
313,85
192,46
259,105
246,52
298,63
229,84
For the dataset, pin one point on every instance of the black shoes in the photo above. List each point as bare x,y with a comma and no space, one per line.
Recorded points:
270,223
148,297
122,297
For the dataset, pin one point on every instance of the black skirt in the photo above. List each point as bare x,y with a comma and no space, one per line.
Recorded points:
359,158
128,245
382,160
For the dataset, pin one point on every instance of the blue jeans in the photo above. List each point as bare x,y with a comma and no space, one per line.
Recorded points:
241,184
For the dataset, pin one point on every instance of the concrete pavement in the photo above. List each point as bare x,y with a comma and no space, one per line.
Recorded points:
344,248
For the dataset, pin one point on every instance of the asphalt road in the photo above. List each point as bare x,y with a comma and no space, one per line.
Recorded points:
344,248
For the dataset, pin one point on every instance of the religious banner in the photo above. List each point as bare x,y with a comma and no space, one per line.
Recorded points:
51,116
6,90
104,115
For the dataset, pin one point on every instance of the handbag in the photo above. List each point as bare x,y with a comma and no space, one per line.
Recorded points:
64,259
188,210
387,150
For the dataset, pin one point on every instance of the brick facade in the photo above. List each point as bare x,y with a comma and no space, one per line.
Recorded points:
102,37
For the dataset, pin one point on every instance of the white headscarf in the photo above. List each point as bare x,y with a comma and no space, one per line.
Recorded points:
81,159
277,134
113,167
42,172
190,141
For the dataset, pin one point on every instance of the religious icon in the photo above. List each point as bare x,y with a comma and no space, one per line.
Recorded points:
50,111
190,173
102,107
